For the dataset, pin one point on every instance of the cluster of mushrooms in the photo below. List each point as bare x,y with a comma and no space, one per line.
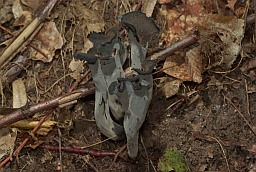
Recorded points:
123,94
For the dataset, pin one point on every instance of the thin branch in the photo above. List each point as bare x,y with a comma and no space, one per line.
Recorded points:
30,44
27,112
161,55
26,34
78,150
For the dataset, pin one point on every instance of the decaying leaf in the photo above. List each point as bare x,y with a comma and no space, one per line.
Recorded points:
6,11
19,93
148,7
90,19
76,66
230,31
185,68
22,15
231,4
7,141
249,67
33,4
181,20
48,40
169,86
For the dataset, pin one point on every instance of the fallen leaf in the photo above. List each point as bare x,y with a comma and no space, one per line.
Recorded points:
185,68
230,30
48,40
6,11
33,4
76,66
19,93
91,20
180,20
169,86
231,4
249,65
21,15
148,7
7,141
30,124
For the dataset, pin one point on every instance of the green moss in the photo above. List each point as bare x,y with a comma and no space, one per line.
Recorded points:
172,160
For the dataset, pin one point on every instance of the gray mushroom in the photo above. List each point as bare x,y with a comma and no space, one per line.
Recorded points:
143,26
103,119
121,103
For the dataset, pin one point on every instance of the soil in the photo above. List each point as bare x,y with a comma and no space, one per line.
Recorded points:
206,127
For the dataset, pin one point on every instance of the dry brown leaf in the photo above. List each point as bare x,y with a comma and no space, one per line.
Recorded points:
185,68
181,20
48,40
148,7
7,141
21,15
169,86
231,4
19,93
230,30
33,4
249,65
91,20
76,66
6,11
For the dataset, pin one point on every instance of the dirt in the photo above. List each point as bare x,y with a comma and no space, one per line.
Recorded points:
204,126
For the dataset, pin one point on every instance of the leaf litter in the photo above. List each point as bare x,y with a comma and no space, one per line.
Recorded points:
216,56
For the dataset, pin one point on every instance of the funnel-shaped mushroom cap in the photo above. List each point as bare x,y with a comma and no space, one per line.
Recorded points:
143,26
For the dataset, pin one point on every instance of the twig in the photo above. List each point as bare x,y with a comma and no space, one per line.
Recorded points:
241,115
30,44
27,112
200,136
144,147
191,39
10,52
94,144
79,81
138,6
78,150
61,165
15,69
174,47
223,152
117,154
250,19
247,98
17,151
152,165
